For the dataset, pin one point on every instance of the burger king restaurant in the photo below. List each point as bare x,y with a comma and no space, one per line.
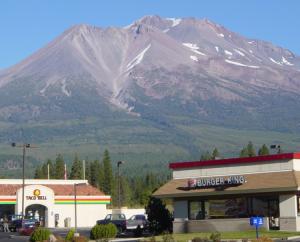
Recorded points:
52,202
222,195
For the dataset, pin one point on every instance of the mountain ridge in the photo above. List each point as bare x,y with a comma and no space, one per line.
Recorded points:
162,75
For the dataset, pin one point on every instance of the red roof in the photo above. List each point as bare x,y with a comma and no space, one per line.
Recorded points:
59,190
243,160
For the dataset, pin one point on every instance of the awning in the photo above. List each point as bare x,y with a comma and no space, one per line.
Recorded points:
255,183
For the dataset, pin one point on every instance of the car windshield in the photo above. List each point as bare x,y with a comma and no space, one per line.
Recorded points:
118,217
138,217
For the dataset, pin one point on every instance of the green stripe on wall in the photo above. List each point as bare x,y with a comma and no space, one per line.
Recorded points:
7,202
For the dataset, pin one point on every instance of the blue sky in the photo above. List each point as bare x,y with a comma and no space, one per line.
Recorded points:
28,25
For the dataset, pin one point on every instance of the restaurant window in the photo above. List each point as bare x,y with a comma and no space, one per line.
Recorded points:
227,208
221,208
265,206
196,210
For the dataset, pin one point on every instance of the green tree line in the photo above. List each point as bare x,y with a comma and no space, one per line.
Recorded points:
134,190
247,151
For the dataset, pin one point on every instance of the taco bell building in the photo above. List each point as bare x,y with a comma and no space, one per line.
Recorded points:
52,202
221,195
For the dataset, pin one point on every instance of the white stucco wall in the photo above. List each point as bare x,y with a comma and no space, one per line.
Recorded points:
288,205
235,169
48,202
296,164
87,214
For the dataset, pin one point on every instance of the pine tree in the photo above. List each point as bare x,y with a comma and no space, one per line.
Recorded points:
263,150
125,192
87,171
108,175
59,167
206,156
38,173
244,152
251,150
94,169
76,170
215,153
101,177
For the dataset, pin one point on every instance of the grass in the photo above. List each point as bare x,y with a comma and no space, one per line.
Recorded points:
233,235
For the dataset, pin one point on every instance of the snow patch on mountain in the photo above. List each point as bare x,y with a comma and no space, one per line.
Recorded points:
136,60
128,26
239,52
175,21
42,91
194,58
227,52
217,48
166,30
64,88
274,61
251,42
240,64
285,61
194,48
221,35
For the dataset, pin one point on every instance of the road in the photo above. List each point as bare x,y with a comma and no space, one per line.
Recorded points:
13,237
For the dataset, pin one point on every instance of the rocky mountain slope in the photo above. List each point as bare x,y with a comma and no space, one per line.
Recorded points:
163,73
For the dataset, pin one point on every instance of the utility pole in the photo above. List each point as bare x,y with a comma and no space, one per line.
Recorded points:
119,183
24,147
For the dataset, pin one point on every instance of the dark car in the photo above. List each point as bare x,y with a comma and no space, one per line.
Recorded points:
137,221
15,223
117,219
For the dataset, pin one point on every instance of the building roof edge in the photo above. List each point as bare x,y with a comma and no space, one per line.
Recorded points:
227,161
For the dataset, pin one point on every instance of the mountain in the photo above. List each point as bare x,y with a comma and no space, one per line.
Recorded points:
148,84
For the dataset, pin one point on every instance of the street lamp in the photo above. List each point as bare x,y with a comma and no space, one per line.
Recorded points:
76,234
24,146
119,183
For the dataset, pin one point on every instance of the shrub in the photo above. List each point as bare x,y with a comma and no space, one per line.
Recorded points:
198,239
103,231
40,234
215,237
159,216
80,239
70,235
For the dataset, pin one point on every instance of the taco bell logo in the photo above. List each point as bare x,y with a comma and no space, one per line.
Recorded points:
192,183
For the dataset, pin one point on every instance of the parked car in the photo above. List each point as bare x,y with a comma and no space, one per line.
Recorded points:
15,223
27,223
136,221
11,218
117,219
